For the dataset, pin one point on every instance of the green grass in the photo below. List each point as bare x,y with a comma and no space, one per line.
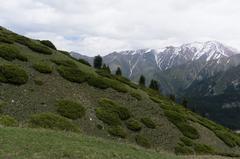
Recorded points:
70,109
25,143
43,67
52,121
13,74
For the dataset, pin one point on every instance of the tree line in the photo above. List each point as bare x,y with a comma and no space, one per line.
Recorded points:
98,64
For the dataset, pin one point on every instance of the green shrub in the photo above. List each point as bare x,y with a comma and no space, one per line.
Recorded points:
136,95
52,121
107,116
98,82
188,130
10,52
117,131
104,73
38,82
133,125
48,44
6,120
110,105
126,81
227,138
5,39
38,47
72,74
202,149
183,150
20,39
187,141
142,141
148,122
2,104
43,67
181,123
70,109
118,86
67,63
84,62
13,74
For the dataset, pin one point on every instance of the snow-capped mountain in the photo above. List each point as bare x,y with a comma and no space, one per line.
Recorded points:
169,57
186,63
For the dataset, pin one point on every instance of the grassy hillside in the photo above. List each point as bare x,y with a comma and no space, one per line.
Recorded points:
24,143
41,87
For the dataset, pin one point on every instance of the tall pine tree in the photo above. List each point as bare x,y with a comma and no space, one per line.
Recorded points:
142,80
154,85
97,63
118,72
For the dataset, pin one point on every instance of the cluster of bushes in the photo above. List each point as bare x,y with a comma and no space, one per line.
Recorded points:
52,121
181,123
188,146
111,113
70,109
117,131
38,47
12,74
43,67
8,121
72,74
48,44
148,122
10,53
133,125
142,141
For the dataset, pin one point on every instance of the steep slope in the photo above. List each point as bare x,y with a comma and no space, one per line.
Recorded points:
198,70
45,88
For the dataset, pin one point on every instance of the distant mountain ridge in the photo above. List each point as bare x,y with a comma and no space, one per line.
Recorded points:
151,61
199,69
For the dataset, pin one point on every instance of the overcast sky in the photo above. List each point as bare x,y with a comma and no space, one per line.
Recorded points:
101,26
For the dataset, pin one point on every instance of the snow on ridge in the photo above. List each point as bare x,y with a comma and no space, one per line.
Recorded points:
210,50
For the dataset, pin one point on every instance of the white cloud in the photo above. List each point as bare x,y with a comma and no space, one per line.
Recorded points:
101,26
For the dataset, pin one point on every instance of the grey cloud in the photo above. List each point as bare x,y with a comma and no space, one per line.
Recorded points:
102,26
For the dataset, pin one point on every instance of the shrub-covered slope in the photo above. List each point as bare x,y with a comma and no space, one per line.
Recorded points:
43,87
